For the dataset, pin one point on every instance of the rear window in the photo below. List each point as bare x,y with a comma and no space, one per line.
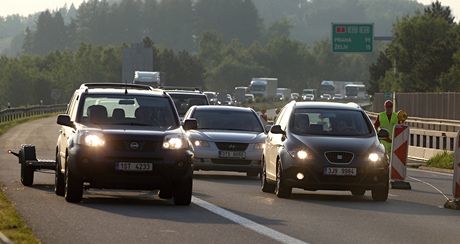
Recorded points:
185,101
330,122
155,112
220,119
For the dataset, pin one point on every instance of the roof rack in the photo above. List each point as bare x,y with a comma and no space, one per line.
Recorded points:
116,85
181,88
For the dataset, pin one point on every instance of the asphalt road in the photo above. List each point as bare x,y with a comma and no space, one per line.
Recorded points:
227,208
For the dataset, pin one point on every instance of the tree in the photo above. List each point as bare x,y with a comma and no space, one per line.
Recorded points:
436,10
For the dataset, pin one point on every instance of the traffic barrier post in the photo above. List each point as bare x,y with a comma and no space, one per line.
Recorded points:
455,202
398,157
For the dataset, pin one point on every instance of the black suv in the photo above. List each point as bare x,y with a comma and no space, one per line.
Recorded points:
185,99
123,136
324,146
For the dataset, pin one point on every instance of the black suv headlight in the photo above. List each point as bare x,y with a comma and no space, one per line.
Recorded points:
90,138
375,157
175,142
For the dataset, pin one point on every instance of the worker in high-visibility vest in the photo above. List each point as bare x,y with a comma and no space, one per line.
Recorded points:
387,120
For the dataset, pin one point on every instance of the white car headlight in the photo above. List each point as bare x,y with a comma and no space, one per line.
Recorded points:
374,157
175,142
200,143
91,138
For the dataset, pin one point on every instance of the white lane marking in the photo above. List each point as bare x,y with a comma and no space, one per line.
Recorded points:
431,172
428,184
247,223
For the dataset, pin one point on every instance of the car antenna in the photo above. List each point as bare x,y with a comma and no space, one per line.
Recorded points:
126,87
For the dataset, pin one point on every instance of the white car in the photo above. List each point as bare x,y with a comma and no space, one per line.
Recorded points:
227,139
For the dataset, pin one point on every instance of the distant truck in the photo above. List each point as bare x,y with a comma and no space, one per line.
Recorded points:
147,78
283,93
239,94
338,87
264,87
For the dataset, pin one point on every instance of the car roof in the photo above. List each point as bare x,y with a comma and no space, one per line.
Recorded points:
184,92
122,91
327,105
220,108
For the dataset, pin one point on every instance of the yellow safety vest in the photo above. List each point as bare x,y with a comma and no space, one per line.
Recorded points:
389,126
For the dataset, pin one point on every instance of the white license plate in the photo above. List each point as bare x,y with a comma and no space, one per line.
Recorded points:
124,166
232,154
340,171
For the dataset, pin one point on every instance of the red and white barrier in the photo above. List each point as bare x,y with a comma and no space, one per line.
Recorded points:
456,189
398,157
455,202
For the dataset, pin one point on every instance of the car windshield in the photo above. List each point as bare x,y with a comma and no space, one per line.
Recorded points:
330,122
184,101
226,119
155,112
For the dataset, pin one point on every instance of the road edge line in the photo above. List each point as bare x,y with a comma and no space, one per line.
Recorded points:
247,223
429,171
4,239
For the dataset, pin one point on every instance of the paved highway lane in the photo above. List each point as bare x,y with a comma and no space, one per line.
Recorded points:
318,217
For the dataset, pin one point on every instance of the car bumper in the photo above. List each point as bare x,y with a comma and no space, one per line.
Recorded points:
99,170
368,176
210,160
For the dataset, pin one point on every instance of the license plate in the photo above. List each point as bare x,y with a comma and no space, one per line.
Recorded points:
340,171
124,166
232,154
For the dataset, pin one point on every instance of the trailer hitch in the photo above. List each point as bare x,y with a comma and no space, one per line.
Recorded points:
13,153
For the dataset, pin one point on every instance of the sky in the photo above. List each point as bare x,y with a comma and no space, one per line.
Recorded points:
25,7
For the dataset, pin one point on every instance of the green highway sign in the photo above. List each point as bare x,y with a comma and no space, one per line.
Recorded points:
352,38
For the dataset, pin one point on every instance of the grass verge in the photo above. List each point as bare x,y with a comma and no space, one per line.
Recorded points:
11,223
444,160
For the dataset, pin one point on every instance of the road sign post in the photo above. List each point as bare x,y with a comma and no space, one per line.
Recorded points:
352,38
455,202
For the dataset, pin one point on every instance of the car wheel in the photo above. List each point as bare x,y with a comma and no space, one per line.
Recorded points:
73,186
27,175
59,179
165,194
183,191
358,192
281,189
380,193
266,186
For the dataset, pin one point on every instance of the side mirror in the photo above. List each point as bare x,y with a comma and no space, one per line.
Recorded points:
64,119
276,129
190,124
267,128
383,133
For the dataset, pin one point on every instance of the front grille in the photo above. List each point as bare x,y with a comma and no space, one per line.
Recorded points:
230,146
339,157
231,161
125,145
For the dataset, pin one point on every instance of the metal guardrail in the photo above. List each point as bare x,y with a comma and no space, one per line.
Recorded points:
429,137
11,114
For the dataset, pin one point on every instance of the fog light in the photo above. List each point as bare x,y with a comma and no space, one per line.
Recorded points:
300,176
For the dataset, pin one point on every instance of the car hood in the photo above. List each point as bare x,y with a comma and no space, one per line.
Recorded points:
321,144
227,136
141,131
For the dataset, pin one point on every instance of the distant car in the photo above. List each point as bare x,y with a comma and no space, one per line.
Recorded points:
212,97
120,136
249,98
185,99
225,99
308,97
326,97
227,139
338,97
295,96
324,146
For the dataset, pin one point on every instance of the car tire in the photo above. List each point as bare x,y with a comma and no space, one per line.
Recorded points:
281,189
183,191
358,192
27,175
266,186
73,186
165,194
380,193
59,179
